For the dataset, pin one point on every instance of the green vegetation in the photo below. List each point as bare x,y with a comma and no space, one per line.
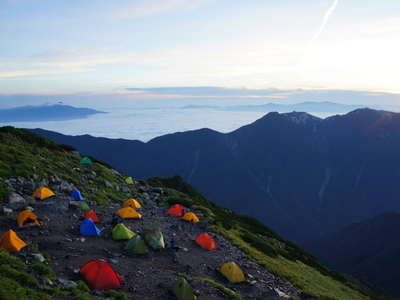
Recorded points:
42,270
16,283
28,155
219,286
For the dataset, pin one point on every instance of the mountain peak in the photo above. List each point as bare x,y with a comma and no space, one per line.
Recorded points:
300,117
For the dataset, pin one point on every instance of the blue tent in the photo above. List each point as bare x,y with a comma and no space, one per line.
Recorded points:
88,228
76,194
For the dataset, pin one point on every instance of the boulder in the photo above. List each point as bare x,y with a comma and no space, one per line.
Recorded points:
7,211
16,201
67,283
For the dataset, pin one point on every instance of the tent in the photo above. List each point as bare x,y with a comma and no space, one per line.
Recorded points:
11,242
43,193
86,161
88,228
132,203
91,214
99,275
205,241
121,232
191,217
128,213
129,180
232,272
136,245
182,290
176,210
85,206
154,238
27,218
76,195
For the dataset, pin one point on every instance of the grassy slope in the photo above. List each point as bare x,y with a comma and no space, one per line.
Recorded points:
28,155
262,245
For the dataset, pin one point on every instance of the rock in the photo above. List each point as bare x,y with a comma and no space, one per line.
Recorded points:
281,294
157,190
74,205
48,281
107,184
253,282
7,211
29,208
66,186
113,261
67,283
38,256
16,201
125,189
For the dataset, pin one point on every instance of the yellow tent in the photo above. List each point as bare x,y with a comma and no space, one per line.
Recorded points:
191,217
128,213
232,272
11,242
27,218
43,193
132,203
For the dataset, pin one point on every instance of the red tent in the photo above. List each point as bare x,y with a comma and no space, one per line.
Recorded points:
91,214
176,210
205,241
99,275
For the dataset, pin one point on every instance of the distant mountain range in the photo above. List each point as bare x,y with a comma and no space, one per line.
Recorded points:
368,250
301,175
316,107
42,113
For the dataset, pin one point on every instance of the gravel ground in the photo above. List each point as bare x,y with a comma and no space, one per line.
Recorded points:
149,276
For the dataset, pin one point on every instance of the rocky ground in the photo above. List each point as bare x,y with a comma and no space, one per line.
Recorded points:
146,277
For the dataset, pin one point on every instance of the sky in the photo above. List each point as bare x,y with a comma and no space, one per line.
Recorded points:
110,47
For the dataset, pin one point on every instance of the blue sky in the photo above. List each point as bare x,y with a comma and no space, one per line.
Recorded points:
101,46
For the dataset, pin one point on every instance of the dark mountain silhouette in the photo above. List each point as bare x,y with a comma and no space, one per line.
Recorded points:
368,250
299,174
41,113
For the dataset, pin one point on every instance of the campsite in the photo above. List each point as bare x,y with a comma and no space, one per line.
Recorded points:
70,238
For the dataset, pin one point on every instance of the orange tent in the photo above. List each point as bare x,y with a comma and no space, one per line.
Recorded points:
43,193
128,213
132,203
11,242
205,241
176,210
191,217
91,214
27,218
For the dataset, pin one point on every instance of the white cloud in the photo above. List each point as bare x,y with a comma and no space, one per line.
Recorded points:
145,8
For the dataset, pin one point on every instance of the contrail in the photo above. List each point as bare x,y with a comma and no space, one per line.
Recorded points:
326,19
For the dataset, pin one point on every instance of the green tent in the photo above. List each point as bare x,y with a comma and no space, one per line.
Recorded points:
86,161
129,180
182,290
136,245
85,206
121,232
154,238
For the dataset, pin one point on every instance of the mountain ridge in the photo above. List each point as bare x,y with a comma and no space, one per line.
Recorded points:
28,161
266,161
55,112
